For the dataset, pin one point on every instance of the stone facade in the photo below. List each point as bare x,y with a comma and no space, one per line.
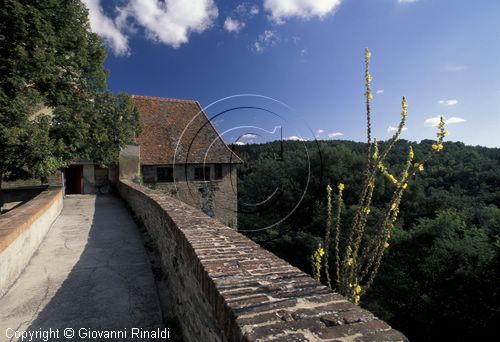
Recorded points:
216,196
224,287
177,141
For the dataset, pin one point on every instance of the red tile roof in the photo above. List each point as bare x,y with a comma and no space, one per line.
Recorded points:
170,124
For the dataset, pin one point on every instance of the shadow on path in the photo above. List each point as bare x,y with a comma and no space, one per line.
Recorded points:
111,286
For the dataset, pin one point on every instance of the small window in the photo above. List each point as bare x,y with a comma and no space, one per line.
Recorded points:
202,173
165,174
218,171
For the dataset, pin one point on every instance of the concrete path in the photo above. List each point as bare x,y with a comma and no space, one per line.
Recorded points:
90,272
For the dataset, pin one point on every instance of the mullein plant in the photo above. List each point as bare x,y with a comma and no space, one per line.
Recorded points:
358,261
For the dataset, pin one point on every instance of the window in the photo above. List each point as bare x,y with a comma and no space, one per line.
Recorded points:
218,171
202,173
165,174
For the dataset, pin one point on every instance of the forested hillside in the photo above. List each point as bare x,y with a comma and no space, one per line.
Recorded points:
440,276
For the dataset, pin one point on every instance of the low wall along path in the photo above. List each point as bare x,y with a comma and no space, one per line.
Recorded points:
226,288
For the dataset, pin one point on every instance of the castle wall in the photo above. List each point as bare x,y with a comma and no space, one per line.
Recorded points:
216,197
224,287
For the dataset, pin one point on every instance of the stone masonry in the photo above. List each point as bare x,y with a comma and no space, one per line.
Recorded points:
227,288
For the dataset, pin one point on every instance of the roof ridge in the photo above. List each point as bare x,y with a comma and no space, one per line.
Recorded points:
169,99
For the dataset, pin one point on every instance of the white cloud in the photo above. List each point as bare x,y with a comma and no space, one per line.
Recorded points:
237,20
249,136
455,67
106,28
391,129
233,25
335,134
433,122
295,138
169,22
265,40
454,119
451,102
254,10
380,91
239,143
280,10
246,9
406,1
319,131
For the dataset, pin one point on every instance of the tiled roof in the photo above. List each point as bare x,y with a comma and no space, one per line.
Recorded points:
170,124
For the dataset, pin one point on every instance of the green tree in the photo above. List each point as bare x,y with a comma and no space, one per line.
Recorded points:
54,105
452,206
440,280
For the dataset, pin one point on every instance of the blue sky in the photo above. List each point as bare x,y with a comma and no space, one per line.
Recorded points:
443,55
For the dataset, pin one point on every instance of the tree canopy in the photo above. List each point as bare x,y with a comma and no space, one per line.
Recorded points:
439,277
54,103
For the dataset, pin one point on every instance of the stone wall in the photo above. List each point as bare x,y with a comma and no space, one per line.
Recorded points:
217,195
129,166
54,179
23,194
21,232
224,287
89,179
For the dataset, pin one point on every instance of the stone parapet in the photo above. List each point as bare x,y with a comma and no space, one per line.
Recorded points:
22,230
225,287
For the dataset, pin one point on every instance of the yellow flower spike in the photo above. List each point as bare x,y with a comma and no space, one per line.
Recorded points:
341,187
367,211
386,245
357,289
405,185
412,154
404,104
356,299
375,153
421,167
350,261
394,207
368,54
329,189
437,147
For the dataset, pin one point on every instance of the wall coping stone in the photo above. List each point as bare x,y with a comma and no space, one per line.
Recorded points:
14,222
253,294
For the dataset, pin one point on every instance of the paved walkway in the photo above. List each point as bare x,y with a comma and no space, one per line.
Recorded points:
91,272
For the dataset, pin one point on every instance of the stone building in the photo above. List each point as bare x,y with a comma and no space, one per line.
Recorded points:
87,177
182,154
